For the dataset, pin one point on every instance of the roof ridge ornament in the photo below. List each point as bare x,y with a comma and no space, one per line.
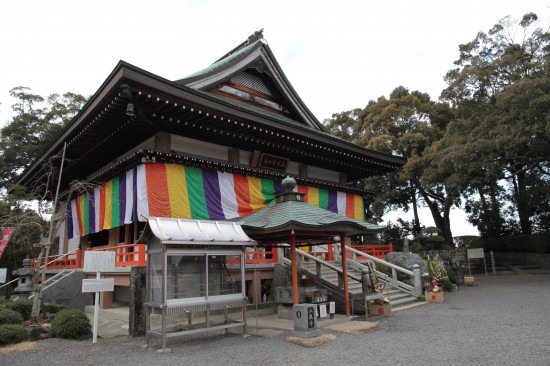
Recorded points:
255,36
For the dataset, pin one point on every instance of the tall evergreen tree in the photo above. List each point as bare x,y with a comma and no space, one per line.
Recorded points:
500,95
35,123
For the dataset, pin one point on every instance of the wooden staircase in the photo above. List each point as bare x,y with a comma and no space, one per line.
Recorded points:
332,280
329,275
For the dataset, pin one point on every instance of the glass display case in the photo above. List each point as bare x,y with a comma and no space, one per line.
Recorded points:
192,283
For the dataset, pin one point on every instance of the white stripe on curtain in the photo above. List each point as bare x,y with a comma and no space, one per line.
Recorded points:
229,199
142,200
341,202
129,196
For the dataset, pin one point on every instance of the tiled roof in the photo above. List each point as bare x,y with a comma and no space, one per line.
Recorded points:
290,212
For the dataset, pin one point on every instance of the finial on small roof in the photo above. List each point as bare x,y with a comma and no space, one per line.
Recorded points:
288,184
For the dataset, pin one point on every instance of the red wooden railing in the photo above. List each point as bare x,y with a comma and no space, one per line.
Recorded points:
378,251
61,261
134,255
269,255
128,254
125,255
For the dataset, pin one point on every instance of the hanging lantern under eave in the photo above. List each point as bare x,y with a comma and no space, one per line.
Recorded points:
130,110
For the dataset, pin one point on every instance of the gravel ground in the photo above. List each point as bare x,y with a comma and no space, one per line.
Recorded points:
504,320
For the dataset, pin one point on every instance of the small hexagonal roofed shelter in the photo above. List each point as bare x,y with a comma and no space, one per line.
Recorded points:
289,219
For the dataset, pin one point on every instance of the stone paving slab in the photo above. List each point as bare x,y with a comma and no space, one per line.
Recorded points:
353,327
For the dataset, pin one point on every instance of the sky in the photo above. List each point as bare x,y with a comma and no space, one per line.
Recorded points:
337,54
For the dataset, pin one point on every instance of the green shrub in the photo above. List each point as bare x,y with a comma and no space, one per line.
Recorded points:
8,316
12,333
53,308
447,285
23,307
71,324
4,302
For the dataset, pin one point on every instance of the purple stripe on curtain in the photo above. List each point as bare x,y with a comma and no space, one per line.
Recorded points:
122,198
279,187
333,201
134,193
70,232
91,213
212,194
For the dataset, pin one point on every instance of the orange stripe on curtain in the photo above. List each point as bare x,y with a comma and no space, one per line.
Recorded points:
78,202
242,194
350,208
157,190
303,189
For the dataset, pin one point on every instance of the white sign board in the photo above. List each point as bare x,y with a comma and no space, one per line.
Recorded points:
98,285
3,274
95,261
322,311
476,253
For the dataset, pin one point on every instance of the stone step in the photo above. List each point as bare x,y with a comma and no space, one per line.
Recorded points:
403,300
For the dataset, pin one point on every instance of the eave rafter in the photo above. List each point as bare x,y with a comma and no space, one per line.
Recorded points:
102,131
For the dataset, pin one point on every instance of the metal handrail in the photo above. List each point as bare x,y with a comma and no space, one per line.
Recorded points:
324,263
56,259
381,261
416,290
12,281
388,280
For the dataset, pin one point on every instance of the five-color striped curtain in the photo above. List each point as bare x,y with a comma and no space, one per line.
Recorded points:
171,190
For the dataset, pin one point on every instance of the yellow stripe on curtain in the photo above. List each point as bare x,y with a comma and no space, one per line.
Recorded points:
108,221
358,206
313,196
177,191
255,189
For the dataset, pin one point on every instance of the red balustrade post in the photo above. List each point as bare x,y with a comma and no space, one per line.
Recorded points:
141,252
274,255
79,259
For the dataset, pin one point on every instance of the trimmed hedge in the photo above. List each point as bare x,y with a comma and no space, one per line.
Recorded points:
8,316
23,307
517,243
52,308
71,324
12,333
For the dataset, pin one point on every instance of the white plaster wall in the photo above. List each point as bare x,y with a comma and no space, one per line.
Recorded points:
293,168
73,244
199,148
245,157
314,172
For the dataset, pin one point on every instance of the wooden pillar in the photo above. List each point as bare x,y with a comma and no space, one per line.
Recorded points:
345,272
294,266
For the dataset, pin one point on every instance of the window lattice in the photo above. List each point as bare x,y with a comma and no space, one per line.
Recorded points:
252,82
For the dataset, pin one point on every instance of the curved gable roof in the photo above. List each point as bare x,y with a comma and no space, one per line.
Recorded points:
253,54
